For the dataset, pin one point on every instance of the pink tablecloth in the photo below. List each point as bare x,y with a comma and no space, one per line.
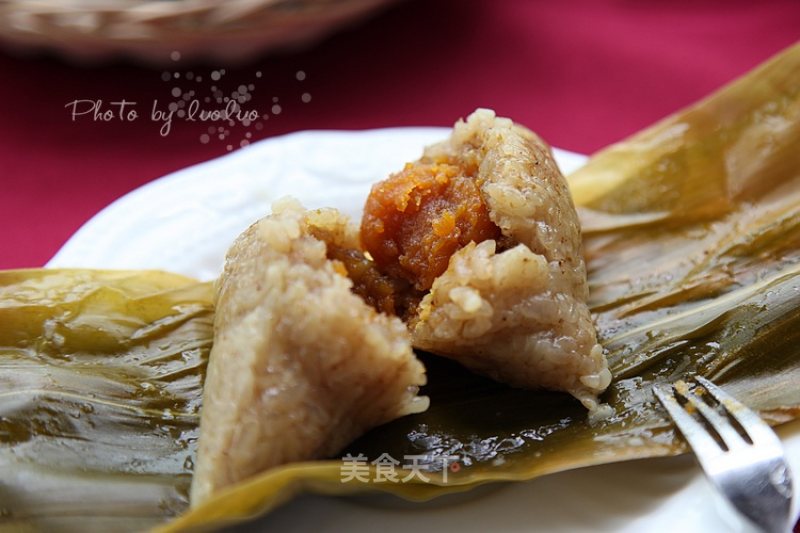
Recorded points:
581,73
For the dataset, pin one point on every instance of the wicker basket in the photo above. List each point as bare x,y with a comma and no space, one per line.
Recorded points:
216,30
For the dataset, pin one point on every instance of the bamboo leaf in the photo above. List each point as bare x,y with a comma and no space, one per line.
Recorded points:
100,374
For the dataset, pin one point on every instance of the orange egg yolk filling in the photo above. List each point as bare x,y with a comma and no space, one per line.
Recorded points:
413,222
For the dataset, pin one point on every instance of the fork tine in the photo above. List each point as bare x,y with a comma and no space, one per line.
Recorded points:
691,429
758,430
754,479
721,425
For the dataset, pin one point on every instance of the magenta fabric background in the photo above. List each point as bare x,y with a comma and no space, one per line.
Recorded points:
581,73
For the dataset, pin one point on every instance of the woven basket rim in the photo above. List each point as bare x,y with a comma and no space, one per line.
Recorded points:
151,29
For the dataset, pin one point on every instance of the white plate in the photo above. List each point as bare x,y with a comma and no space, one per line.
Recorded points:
184,222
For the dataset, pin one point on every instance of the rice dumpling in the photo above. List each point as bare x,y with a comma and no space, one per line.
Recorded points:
300,365
484,228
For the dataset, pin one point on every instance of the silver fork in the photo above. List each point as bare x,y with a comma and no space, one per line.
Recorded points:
738,451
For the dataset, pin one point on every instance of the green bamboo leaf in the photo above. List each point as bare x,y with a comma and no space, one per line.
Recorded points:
100,374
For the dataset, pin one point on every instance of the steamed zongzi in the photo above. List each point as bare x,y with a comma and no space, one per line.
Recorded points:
300,365
484,231
476,246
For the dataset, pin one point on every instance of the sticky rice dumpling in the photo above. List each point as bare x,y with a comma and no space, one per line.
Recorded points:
483,229
472,252
300,365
